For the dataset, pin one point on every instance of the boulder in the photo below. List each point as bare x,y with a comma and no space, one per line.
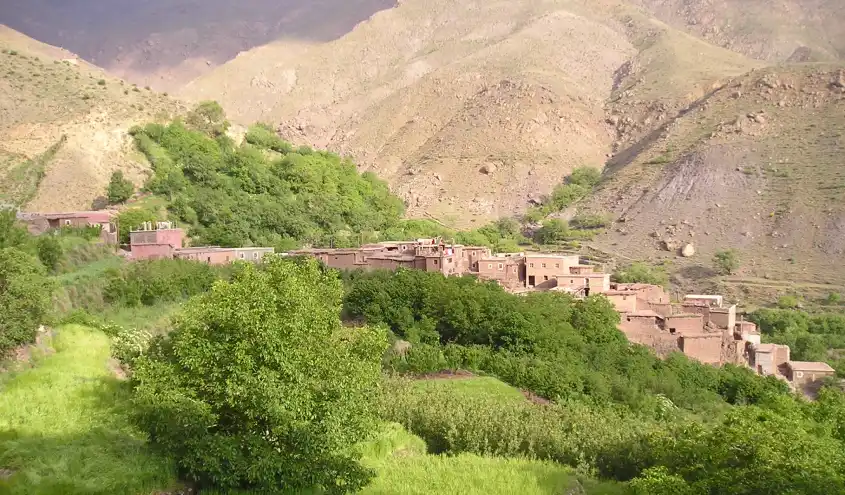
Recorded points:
688,250
488,168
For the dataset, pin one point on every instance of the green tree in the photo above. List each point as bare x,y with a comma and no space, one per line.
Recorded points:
12,234
132,219
209,118
24,297
50,251
120,189
261,387
641,273
727,261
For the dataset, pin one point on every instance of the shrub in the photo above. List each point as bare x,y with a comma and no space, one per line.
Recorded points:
260,387
834,298
727,262
590,221
120,189
24,298
129,344
641,273
788,302
101,82
50,251
149,282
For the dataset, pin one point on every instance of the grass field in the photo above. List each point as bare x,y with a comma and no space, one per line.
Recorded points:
65,432
64,427
479,386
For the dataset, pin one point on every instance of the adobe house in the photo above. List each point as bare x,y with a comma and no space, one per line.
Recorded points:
724,317
747,331
39,223
703,347
543,270
769,359
508,271
148,242
645,292
803,374
707,300
472,255
624,301
212,255
684,324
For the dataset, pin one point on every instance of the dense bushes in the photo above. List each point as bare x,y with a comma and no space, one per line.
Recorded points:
152,281
262,192
548,343
809,337
260,387
576,186
24,297
641,273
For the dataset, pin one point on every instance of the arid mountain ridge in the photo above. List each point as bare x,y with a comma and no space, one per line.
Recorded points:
717,119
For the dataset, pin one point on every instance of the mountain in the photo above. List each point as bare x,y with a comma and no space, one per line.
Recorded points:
166,43
429,94
63,126
773,30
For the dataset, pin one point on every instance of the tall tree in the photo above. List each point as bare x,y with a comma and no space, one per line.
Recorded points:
261,387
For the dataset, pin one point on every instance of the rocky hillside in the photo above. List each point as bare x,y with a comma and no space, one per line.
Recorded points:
774,30
166,43
63,126
472,108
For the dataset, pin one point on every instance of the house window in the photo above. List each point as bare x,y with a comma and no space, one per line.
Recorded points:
673,331
435,262
557,265
209,259
545,277
241,256
799,374
489,265
449,260
255,255
531,265
544,265
67,222
500,266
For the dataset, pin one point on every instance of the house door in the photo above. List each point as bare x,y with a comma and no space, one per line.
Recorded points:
531,281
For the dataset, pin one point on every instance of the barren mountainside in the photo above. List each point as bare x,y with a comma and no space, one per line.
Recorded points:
63,126
166,43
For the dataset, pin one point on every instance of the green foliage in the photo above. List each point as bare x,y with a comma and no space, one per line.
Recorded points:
131,219
148,282
555,231
590,221
547,343
641,273
577,185
452,422
260,386
727,261
120,189
21,182
237,196
50,251
24,297
263,136
12,233
834,298
809,337
208,118
750,451
788,302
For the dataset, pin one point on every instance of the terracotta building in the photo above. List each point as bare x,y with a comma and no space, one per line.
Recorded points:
155,241
106,220
805,375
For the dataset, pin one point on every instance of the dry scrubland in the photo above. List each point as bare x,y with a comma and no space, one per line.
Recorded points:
63,126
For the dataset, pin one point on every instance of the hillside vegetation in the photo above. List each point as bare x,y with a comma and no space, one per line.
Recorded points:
63,126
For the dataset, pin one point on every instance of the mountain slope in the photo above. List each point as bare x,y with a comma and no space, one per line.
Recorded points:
756,166
166,43
468,108
775,30
63,126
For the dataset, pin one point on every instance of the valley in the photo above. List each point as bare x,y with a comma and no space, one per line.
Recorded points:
422,247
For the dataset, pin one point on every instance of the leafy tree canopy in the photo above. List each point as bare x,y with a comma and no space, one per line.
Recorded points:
259,386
